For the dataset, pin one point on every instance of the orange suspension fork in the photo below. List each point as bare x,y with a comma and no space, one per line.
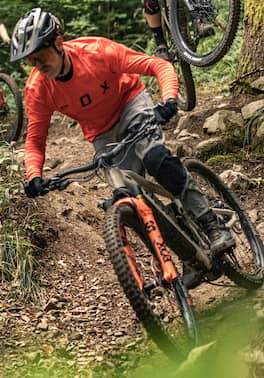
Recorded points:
154,235
131,259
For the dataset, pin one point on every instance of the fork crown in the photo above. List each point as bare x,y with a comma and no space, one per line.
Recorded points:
154,235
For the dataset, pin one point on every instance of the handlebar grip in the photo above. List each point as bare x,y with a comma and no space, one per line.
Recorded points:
55,183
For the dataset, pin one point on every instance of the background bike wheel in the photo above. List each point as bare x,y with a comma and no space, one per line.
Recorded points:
11,119
186,97
164,314
204,36
245,264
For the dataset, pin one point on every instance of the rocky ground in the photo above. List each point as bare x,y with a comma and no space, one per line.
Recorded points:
81,318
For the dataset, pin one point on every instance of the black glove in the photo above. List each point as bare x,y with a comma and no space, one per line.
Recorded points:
165,110
33,188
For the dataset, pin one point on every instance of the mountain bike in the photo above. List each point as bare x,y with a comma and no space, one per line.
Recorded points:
11,108
202,30
186,96
149,236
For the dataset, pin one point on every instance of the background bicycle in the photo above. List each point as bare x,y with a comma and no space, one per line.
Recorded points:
11,108
203,30
198,32
187,96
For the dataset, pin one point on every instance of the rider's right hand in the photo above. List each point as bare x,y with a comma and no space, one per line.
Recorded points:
164,111
33,188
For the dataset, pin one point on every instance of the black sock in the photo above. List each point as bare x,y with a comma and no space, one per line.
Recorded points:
158,36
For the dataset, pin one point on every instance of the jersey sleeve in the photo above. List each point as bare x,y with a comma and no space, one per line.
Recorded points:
125,60
39,116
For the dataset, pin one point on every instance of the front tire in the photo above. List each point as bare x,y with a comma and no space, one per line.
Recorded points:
161,310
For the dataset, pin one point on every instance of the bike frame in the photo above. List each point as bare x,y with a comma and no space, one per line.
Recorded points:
117,179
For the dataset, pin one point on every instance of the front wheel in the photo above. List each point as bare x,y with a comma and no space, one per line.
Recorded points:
244,265
11,109
204,30
164,310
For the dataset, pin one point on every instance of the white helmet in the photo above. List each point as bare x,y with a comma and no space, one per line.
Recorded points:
36,29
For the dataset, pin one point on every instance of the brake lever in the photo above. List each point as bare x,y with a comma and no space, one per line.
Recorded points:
55,183
64,183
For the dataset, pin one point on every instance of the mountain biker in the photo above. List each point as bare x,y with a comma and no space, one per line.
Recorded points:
4,34
96,81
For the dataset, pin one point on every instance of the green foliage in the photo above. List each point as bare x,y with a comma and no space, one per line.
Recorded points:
228,333
221,158
11,11
222,73
115,19
16,252
118,20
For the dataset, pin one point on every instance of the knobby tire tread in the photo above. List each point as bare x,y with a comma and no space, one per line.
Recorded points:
188,103
220,49
137,299
239,277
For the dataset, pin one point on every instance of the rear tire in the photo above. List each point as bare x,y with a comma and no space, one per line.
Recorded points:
203,51
186,95
245,264
123,228
11,123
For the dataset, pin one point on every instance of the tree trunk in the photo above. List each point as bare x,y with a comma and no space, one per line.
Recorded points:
251,64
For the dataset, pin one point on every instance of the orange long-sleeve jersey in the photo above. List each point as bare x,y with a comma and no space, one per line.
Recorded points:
105,78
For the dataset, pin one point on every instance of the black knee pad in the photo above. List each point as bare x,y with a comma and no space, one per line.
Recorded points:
154,158
166,169
151,6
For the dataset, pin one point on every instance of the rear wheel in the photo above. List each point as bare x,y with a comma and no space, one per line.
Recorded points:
204,34
11,109
245,263
164,310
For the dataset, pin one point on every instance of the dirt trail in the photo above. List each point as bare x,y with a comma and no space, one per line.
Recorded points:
82,309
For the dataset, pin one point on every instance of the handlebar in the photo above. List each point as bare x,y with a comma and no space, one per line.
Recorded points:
61,180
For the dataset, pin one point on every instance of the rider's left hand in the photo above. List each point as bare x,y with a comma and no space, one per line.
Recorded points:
165,110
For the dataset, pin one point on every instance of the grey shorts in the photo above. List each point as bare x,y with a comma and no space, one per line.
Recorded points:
138,110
